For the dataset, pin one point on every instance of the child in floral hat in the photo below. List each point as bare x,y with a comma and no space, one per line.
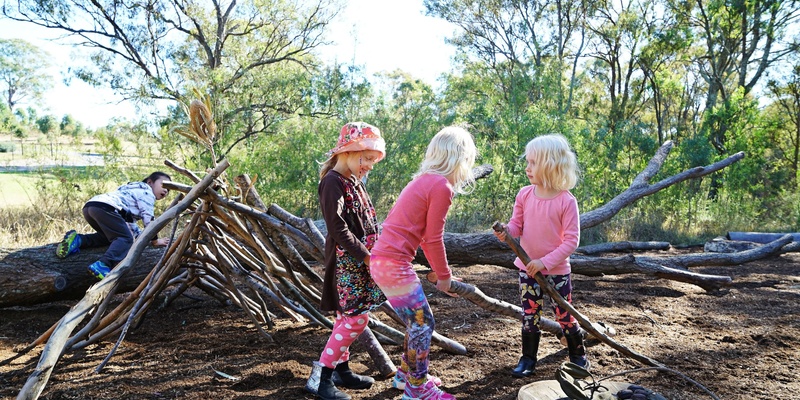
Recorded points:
348,288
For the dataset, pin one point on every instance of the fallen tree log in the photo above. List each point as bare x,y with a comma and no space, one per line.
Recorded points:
759,237
622,246
34,275
479,248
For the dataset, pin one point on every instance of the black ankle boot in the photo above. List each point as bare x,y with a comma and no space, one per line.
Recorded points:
527,363
327,390
344,377
577,352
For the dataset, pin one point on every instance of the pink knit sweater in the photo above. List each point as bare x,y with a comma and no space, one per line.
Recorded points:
418,218
549,229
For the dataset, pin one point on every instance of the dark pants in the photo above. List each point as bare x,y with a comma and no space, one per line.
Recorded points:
532,298
112,231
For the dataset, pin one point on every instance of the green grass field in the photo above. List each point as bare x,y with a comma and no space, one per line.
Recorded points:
17,189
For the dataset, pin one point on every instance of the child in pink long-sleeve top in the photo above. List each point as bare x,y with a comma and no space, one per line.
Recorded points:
546,220
418,219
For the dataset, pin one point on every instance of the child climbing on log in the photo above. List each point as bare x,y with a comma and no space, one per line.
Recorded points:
546,219
348,288
418,218
113,216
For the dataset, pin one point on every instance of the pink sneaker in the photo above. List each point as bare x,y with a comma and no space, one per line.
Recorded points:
426,391
399,381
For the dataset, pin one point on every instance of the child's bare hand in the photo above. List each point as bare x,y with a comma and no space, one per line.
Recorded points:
444,286
161,242
501,234
533,267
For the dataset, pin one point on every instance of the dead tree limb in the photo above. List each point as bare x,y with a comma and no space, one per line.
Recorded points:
640,187
481,248
480,299
622,246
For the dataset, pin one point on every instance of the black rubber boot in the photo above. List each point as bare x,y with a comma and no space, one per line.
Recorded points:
327,390
530,347
577,352
344,377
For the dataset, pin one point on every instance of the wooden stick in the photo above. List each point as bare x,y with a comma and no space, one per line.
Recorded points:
553,293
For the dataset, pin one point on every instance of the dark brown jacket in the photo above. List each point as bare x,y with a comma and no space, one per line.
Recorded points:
344,228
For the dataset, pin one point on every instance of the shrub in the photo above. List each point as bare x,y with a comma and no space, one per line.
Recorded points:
7,147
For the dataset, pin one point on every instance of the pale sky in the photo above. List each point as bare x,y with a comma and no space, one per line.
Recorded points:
380,35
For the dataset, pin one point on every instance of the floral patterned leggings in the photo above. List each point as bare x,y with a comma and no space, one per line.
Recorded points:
403,289
532,300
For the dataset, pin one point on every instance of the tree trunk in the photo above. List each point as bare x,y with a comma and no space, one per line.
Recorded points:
34,275
759,237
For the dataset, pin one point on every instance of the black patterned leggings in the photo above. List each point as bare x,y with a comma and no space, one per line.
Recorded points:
532,300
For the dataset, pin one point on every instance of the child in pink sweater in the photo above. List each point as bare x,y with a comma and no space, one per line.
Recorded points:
546,220
418,219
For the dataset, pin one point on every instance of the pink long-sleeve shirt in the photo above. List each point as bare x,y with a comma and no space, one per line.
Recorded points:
418,219
549,229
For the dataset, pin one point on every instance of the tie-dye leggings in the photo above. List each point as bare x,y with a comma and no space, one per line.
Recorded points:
532,300
403,289
345,330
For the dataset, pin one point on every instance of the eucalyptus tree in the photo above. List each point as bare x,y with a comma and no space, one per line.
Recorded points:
740,40
519,62
529,44
664,61
405,110
786,94
47,124
633,42
22,71
252,57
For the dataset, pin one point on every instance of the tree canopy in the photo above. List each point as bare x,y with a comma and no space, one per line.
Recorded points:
618,79
22,71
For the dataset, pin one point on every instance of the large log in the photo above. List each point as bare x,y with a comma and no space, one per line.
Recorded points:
760,237
35,275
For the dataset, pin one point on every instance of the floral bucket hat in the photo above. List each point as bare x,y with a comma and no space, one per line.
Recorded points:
359,136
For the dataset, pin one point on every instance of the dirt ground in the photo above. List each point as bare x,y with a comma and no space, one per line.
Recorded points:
742,343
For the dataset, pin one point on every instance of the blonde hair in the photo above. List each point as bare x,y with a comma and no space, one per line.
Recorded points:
555,163
451,152
328,165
